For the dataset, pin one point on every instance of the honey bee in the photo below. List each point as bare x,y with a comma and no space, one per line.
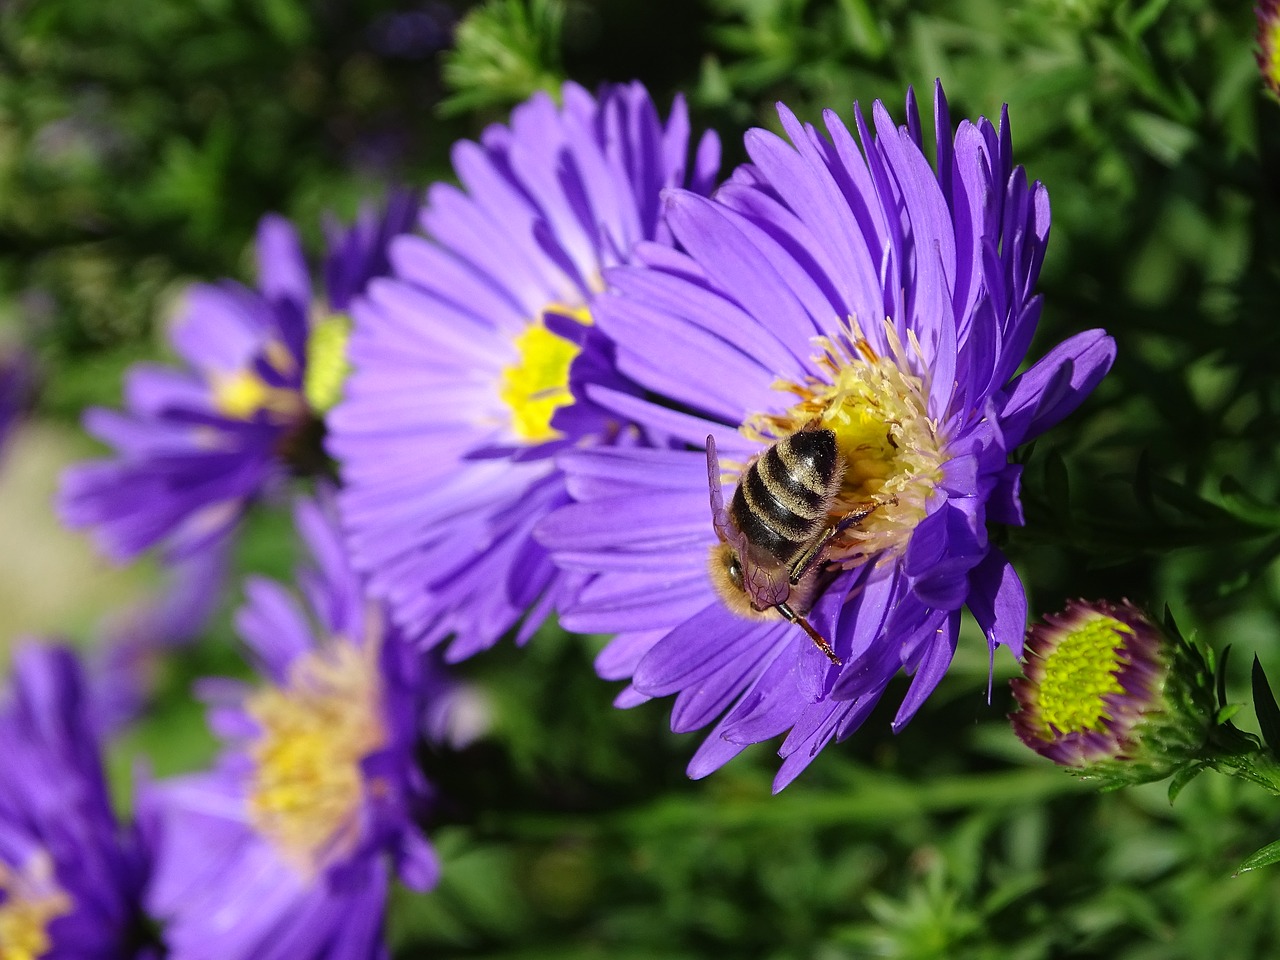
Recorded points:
774,535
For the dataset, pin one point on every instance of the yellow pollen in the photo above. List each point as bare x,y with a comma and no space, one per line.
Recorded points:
327,365
241,395
1079,673
33,900
536,386
307,784
877,408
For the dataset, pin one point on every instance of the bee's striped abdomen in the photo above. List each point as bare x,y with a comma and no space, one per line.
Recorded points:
781,502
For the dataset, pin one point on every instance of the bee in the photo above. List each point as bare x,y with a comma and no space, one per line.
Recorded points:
775,532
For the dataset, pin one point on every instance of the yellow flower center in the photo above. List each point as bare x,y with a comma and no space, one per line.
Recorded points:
32,901
308,785
327,365
1079,673
537,385
242,394
1270,36
877,408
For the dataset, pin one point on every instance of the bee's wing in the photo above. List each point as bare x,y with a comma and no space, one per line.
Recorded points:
718,515
764,580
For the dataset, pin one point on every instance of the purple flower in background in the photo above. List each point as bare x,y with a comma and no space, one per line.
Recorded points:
286,848
470,366
881,308
71,877
196,445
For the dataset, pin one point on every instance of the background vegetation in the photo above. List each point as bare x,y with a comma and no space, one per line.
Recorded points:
140,141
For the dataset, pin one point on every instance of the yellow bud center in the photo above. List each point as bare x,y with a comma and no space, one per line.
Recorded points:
32,901
537,385
1080,672
877,408
327,366
1270,38
308,785
242,394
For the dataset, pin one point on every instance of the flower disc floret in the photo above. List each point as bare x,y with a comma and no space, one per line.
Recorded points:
316,730
1082,672
893,455
30,900
537,384
327,366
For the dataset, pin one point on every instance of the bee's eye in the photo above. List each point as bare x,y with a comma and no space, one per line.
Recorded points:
735,573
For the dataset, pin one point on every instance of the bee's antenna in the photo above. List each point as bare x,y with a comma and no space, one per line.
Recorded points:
814,635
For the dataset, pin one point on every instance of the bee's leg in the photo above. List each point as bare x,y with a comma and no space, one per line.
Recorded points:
821,641
813,553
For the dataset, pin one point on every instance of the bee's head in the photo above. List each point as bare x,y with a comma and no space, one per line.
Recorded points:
748,587
725,565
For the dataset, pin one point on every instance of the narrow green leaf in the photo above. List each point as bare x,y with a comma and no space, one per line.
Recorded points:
1220,676
1226,712
1246,506
1264,705
1262,858
1182,778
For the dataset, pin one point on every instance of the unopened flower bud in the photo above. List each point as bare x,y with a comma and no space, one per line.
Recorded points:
1112,695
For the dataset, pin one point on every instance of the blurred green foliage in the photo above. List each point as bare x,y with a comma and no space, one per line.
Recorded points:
141,140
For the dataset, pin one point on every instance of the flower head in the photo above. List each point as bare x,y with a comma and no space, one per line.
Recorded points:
842,336
197,444
471,365
290,843
1268,52
1111,695
70,876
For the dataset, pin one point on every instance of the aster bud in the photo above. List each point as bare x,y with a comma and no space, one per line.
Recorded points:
1113,696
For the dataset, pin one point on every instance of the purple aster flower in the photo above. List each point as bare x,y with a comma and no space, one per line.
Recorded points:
845,329
470,365
287,847
71,877
196,445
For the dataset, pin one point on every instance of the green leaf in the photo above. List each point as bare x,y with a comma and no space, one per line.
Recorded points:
504,51
1182,778
863,29
1264,705
1226,712
1220,676
1246,506
1261,858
